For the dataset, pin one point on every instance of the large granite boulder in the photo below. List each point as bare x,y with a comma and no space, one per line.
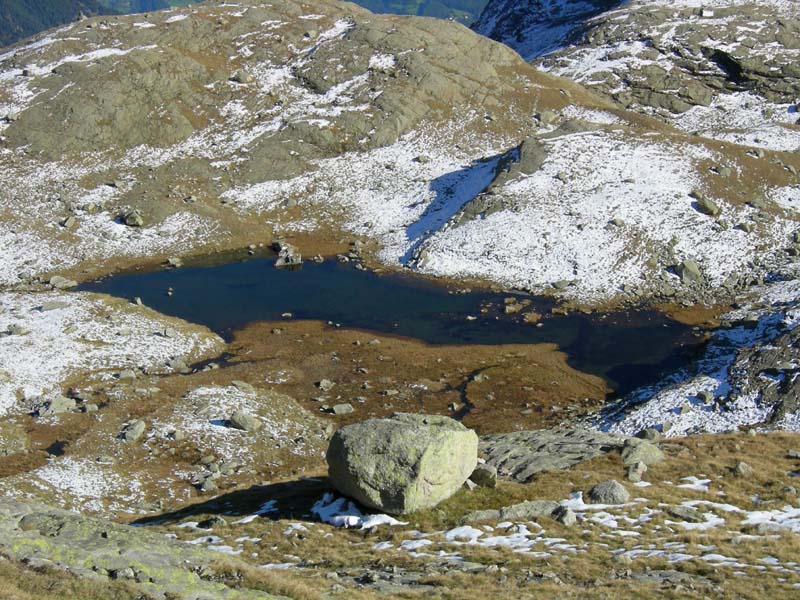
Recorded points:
404,463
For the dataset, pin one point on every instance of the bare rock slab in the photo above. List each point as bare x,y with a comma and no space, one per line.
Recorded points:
404,463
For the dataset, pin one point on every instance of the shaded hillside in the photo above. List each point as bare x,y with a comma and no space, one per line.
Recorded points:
23,18
465,11
536,27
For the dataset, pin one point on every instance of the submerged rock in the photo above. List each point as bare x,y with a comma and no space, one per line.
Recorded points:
288,255
404,463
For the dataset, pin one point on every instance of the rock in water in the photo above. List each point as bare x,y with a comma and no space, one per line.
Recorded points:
404,463
288,255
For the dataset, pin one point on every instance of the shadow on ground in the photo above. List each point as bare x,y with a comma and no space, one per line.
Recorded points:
286,500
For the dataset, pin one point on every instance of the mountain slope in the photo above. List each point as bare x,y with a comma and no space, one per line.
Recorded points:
23,18
442,148
726,70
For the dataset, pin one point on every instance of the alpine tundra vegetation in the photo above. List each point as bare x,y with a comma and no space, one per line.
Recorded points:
298,300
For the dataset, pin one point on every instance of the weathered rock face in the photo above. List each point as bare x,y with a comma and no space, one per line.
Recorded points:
769,371
102,549
535,27
404,463
521,455
734,64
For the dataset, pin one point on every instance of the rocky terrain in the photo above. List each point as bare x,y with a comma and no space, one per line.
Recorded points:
203,464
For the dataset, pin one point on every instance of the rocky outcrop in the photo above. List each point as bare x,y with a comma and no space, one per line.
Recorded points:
404,463
90,548
674,57
521,455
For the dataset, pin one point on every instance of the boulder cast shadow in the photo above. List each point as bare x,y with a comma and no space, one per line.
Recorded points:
275,501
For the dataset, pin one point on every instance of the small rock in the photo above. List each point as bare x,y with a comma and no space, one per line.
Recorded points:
705,205
485,476
244,421
565,516
57,406
132,218
242,77
650,434
342,409
62,283
133,431
689,272
288,255
53,305
635,472
637,450
608,492
742,469
686,513
326,385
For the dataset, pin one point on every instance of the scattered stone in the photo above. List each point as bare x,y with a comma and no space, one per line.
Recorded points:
528,510
288,255
242,77
244,421
546,117
705,205
637,450
62,283
636,471
132,218
689,272
650,434
326,385
404,463
53,305
342,409
608,492
211,522
127,374
565,516
485,476
133,431
57,406
686,513
15,329
742,469
531,318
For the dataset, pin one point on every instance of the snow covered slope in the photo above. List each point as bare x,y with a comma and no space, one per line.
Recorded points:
226,124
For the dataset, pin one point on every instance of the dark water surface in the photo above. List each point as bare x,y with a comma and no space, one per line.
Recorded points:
628,349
